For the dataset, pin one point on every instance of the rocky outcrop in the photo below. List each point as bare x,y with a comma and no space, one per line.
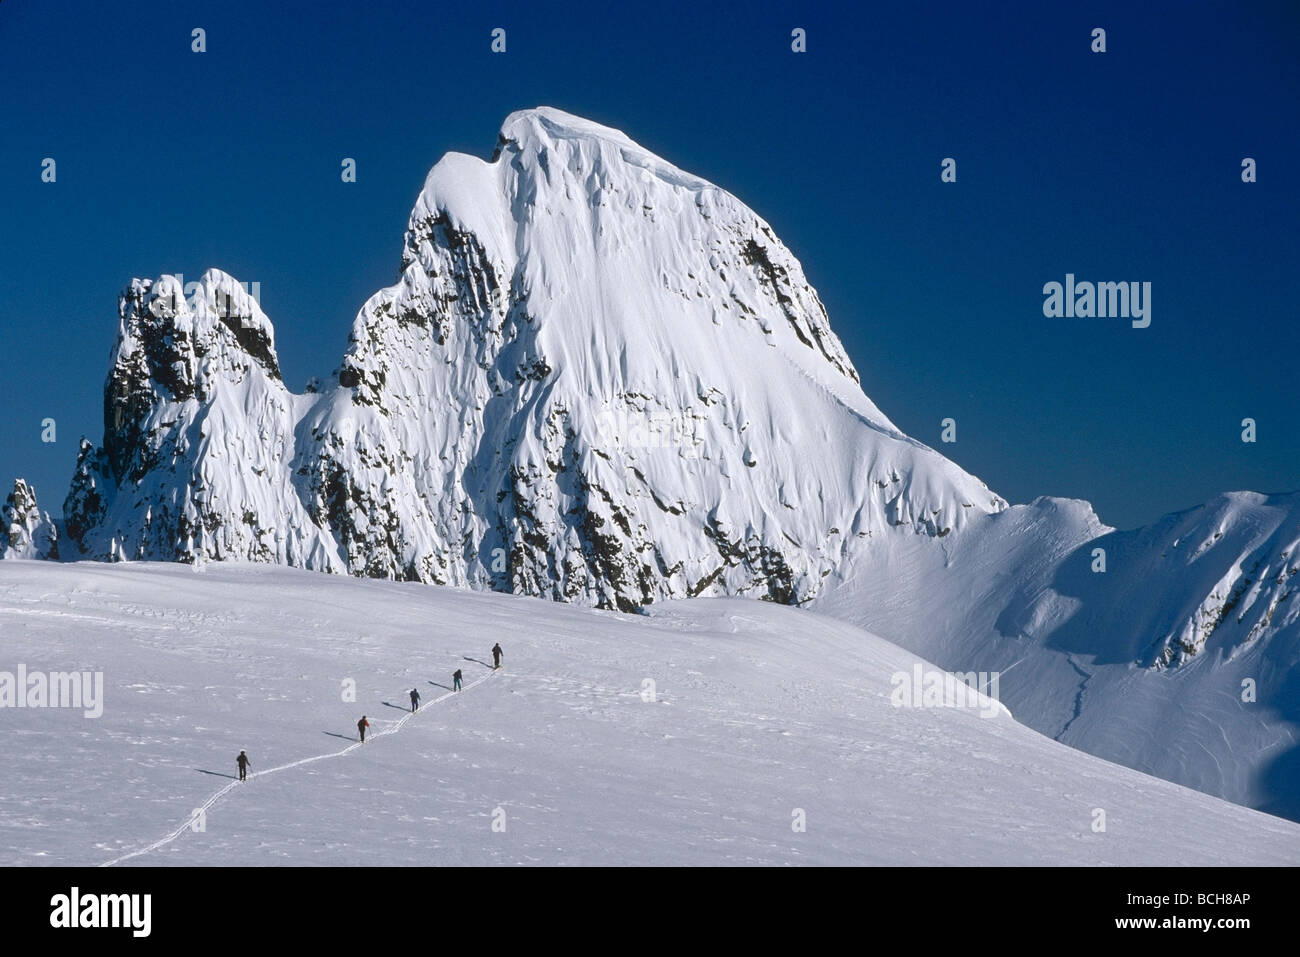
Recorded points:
26,531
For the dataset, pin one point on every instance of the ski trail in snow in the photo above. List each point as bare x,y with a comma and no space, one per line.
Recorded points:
203,808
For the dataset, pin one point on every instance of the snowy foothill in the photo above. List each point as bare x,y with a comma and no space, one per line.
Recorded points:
711,731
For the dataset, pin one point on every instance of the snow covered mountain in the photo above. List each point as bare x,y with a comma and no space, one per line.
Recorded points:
198,437
602,380
598,378
1180,655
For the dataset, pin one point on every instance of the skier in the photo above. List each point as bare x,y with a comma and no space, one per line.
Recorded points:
415,700
243,763
361,726
496,656
455,680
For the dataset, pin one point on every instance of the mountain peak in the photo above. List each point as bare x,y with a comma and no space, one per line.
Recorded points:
548,123
598,378
586,150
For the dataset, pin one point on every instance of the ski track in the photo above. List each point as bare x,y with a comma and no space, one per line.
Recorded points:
206,806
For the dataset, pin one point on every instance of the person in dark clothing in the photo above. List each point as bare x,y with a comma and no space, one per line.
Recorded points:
455,681
415,700
361,727
496,656
243,763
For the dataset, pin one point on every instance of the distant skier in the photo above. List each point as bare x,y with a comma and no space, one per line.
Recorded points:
496,656
415,700
455,681
243,763
361,727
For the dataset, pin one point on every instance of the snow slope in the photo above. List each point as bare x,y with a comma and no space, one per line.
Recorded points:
1180,658
759,710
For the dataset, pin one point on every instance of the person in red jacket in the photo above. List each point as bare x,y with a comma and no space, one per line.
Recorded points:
361,726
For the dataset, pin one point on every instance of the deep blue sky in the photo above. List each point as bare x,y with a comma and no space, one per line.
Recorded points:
1122,166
